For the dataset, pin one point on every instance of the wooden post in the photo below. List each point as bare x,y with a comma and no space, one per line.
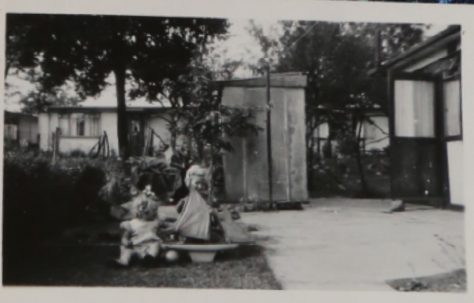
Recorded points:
107,141
215,123
56,137
53,145
269,139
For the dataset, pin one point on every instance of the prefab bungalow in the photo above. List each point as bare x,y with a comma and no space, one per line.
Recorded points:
271,165
374,133
426,140
79,128
21,128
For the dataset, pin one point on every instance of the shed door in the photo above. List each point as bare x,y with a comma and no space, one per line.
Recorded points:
288,145
281,189
416,151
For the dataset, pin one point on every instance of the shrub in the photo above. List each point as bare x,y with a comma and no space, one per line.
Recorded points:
41,199
77,153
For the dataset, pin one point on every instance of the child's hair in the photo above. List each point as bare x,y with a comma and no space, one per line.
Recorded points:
147,210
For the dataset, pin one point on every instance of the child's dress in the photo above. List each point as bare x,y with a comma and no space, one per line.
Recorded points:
140,240
194,218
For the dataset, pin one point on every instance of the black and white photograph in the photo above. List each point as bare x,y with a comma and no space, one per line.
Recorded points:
191,152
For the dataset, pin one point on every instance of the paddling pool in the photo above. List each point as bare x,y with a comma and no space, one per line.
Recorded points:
200,253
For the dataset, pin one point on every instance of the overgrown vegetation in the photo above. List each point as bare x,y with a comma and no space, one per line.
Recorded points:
340,177
41,198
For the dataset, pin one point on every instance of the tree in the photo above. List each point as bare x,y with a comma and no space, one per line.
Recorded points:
38,100
336,58
33,98
149,53
204,121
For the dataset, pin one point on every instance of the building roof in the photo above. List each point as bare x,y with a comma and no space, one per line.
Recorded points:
422,49
14,117
107,101
290,80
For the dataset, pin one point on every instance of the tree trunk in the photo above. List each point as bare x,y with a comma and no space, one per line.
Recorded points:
173,128
310,152
122,127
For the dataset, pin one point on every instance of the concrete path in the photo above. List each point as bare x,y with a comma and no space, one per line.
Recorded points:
349,244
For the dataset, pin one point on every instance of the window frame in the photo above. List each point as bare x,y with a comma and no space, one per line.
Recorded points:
456,77
87,118
413,77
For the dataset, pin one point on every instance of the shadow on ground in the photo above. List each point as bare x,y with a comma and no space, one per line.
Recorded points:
86,265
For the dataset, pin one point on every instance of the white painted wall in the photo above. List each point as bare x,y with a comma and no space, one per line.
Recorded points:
455,170
322,131
160,126
47,123
108,123
43,127
68,144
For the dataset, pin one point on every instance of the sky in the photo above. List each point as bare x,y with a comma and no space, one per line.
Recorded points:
239,46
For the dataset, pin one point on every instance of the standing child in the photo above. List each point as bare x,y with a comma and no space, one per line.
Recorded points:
139,238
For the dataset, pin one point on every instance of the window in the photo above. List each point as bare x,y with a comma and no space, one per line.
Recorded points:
322,131
414,108
452,108
375,129
80,125
94,125
11,132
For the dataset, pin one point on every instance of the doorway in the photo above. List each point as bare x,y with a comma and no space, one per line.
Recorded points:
417,151
136,134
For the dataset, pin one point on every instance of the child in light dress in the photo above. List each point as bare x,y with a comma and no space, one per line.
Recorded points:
139,237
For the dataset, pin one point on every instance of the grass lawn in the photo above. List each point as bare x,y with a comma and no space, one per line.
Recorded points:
244,268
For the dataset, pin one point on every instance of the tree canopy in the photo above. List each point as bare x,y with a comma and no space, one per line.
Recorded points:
149,53
336,58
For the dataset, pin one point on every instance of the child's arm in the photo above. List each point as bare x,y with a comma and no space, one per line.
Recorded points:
167,227
156,226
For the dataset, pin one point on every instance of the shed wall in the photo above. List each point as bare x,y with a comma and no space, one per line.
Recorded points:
247,167
297,144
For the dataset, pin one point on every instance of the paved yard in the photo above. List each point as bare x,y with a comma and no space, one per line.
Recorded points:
349,244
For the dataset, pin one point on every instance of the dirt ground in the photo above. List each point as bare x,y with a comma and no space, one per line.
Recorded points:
455,281
351,244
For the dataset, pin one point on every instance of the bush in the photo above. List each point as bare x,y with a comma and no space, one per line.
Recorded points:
41,199
77,153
